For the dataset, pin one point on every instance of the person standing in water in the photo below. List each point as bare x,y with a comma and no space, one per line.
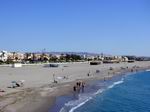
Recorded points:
82,86
74,88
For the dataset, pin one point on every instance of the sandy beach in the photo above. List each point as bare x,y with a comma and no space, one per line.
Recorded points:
39,92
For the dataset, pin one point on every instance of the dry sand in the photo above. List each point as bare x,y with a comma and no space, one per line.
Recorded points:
39,91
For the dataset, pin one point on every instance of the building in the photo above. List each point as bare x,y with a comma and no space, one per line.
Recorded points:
15,57
3,56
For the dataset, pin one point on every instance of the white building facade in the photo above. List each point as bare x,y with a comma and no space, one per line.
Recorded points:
3,56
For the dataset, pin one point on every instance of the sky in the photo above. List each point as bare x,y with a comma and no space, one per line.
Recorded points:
119,27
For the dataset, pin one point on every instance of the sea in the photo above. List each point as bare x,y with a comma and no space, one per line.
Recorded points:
123,93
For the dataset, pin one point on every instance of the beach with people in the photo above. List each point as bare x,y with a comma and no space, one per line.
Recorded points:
33,88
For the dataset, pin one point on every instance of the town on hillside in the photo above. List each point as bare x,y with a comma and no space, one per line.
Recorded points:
43,57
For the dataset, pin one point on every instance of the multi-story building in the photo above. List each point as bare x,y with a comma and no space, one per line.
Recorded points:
3,56
15,57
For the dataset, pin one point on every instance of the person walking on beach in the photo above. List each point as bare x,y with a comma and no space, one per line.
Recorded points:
54,78
104,79
79,84
88,74
74,88
83,86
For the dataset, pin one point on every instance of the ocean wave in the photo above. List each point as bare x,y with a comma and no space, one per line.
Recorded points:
74,108
74,104
116,83
71,106
99,91
148,70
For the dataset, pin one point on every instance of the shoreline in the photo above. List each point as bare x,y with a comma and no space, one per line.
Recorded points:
89,81
40,99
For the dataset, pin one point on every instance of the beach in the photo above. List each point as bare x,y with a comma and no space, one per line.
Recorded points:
39,90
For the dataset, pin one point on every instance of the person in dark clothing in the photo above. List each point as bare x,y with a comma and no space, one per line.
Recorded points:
74,88
17,85
82,86
79,84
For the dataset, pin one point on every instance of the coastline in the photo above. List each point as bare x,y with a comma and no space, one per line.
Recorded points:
40,99
62,102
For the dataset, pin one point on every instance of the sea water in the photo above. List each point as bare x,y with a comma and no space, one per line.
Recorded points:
128,93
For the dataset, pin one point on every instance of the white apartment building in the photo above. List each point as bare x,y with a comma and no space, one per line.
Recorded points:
3,56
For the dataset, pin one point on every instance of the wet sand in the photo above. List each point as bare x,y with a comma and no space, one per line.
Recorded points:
39,91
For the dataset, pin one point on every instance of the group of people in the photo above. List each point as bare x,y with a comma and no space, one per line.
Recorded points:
80,85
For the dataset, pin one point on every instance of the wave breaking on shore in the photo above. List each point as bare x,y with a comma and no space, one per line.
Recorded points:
83,98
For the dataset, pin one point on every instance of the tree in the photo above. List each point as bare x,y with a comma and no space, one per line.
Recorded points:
53,59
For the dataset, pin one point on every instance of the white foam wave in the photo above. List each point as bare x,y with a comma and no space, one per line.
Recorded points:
74,104
74,108
116,83
99,91
148,70
84,98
